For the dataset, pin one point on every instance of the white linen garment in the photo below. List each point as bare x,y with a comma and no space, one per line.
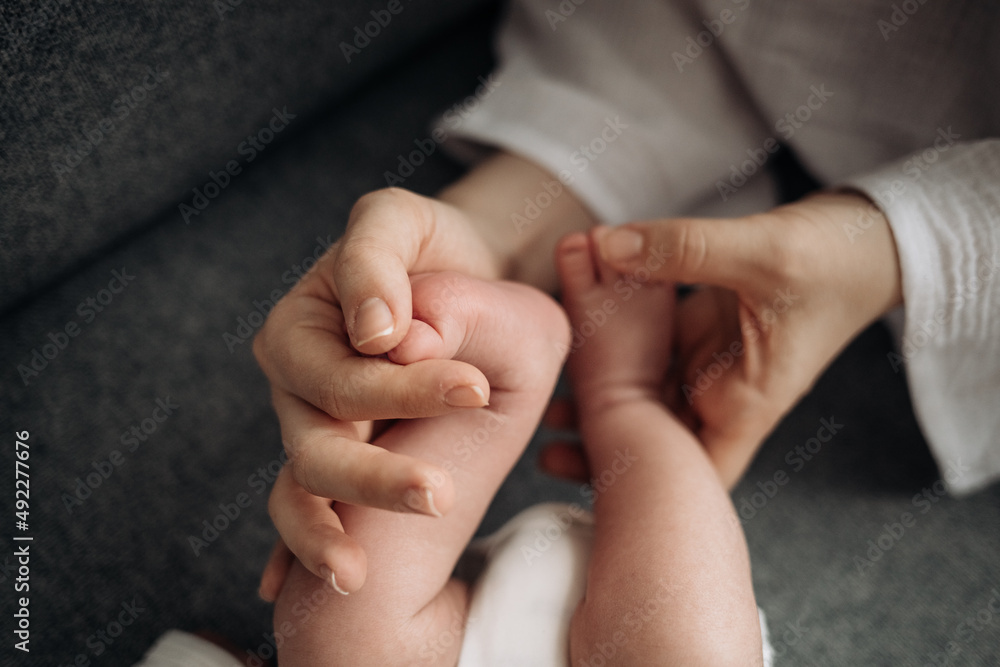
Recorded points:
649,109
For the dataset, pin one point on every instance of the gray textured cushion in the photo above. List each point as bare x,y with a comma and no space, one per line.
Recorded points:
112,111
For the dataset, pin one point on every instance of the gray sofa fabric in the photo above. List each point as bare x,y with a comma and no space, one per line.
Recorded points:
112,112
150,427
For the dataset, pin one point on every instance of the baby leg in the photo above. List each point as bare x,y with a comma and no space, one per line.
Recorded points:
669,578
409,611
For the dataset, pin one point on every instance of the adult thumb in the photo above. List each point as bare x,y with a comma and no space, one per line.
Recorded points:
730,253
383,240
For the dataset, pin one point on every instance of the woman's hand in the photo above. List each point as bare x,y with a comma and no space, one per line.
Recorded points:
327,394
318,350
781,294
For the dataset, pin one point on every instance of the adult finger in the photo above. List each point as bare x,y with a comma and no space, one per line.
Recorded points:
272,579
392,233
736,254
560,415
564,460
309,358
327,458
313,532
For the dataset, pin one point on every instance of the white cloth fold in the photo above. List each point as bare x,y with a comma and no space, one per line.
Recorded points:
946,222
176,648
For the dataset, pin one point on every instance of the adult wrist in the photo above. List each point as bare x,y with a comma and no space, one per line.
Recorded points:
867,230
515,210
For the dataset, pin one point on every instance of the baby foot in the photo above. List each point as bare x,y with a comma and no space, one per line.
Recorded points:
621,332
514,334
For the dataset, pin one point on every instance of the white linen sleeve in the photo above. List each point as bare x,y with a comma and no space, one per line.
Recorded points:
606,99
943,205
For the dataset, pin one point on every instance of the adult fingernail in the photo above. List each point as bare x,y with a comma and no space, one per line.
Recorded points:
332,578
421,500
621,245
374,320
465,396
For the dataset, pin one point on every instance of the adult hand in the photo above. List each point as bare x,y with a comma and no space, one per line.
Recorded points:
327,390
781,293
327,394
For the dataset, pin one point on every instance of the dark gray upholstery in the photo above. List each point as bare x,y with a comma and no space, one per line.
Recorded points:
161,337
93,147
